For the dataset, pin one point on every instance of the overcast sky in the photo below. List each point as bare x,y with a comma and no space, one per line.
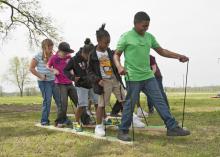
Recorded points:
189,27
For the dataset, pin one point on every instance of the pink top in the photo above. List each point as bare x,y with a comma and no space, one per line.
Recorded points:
59,63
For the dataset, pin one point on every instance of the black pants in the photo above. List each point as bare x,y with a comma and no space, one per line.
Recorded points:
65,90
118,107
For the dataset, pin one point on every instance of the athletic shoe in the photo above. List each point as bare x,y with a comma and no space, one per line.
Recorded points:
89,112
140,114
60,125
67,122
107,121
123,135
45,123
99,130
137,122
177,131
77,127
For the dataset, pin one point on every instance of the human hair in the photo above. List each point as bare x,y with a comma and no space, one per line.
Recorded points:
45,48
101,32
141,16
88,46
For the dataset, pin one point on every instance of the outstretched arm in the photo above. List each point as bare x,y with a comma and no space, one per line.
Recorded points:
170,54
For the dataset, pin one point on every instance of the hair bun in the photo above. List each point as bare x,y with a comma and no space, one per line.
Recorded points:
102,27
87,41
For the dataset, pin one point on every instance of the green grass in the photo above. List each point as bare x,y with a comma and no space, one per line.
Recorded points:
19,136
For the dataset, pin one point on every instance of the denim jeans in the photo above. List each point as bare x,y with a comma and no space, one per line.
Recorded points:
149,100
47,89
150,88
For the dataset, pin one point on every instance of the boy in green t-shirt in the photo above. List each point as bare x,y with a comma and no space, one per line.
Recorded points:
136,45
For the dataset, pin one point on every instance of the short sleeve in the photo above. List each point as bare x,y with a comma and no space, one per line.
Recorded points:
50,62
121,45
37,57
154,43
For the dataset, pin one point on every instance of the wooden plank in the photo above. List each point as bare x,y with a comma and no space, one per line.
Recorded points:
84,133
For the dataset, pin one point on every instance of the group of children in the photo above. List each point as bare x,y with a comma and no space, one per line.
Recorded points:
96,70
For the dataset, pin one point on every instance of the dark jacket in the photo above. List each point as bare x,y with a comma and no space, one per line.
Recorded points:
95,72
79,66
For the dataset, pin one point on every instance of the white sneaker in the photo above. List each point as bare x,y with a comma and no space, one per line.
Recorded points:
137,122
89,112
140,114
100,130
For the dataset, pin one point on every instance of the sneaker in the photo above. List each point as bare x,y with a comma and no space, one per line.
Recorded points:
137,122
140,114
67,122
177,131
89,112
99,130
45,123
77,127
107,121
123,135
60,125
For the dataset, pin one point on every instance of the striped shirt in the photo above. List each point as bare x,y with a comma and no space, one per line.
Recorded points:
41,67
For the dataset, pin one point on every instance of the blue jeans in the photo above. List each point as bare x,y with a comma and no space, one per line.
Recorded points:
150,88
47,89
149,100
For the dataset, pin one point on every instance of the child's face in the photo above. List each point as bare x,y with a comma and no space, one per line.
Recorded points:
48,49
85,55
142,27
62,54
103,43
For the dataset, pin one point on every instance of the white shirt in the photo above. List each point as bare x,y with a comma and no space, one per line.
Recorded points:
105,64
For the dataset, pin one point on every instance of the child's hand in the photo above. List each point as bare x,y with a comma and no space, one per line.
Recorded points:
183,58
43,77
101,83
55,72
121,70
77,79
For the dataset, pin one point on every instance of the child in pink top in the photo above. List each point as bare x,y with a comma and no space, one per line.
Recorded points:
63,85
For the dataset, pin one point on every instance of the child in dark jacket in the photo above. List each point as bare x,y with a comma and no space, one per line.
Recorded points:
104,76
83,86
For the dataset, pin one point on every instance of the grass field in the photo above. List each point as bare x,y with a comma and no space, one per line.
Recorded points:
19,136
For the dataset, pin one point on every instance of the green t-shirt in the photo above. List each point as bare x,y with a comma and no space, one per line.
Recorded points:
136,50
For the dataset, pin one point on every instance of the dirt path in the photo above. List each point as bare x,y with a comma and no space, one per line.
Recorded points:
19,108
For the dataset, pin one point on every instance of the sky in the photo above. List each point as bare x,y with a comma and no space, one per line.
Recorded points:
186,27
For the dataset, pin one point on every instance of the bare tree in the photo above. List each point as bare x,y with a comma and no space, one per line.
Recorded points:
31,91
18,73
26,13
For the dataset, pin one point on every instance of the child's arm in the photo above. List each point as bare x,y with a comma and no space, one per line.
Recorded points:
169,54
32,69
50,66
116,58
92,76
69,71
154,68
